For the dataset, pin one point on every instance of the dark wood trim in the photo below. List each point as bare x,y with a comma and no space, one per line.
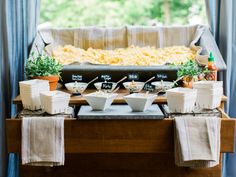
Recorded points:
118,136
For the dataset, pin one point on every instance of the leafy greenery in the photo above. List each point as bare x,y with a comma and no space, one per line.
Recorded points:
42,65
190,69
76,13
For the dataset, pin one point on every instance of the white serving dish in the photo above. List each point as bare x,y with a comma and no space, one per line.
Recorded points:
208,84
76,87
100,100
162,86
54,102
181,100
133,86
98,86
140,101
30,93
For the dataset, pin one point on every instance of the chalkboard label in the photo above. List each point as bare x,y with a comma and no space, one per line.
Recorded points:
149,87
76,77
106,77
161,76
133,77
106,86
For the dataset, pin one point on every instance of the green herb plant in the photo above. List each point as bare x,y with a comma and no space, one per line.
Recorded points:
42,65
190,69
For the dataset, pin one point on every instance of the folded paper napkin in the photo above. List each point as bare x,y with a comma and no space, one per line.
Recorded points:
197,141
43,141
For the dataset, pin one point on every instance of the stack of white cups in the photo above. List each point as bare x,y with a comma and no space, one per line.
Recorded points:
54,102
29,92
181,100
209,94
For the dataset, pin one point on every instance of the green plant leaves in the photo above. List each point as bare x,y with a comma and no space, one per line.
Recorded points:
190,68
64,13
42,65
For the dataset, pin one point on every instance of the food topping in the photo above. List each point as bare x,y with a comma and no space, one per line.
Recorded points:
133,55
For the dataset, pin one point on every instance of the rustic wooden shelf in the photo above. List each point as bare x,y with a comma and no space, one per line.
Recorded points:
79,100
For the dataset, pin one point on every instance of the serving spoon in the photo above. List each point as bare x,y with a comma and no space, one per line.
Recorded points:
149,80
121,80
92,80
118,83
114,91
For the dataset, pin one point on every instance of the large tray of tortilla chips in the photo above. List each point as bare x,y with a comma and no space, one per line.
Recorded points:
138,52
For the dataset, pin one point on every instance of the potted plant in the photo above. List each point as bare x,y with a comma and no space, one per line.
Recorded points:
43,67
190,72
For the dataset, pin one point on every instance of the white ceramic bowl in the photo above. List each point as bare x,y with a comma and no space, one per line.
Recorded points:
76,87
134,87
140,101
98,86
162,86
100,100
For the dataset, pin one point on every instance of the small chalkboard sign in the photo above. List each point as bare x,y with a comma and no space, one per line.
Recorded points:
133,77
106,86
149,87
106,77
161,76
77,77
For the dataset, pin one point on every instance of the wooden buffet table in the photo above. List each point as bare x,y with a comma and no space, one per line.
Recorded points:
118,148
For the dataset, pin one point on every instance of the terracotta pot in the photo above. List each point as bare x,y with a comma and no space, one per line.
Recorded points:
53,80
188,82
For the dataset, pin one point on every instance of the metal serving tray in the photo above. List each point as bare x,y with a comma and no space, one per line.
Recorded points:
113,73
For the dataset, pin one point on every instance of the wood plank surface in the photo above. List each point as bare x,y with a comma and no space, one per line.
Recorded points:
79,100
118,136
